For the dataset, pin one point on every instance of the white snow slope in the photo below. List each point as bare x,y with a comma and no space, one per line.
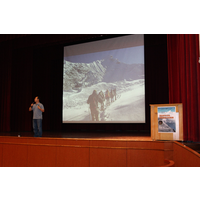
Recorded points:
129,106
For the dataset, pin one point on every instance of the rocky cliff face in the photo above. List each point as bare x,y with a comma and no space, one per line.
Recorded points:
109,70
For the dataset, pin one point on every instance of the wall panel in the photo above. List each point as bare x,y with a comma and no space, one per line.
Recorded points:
14,155
145,158
146,144
72,157
107,157
41,156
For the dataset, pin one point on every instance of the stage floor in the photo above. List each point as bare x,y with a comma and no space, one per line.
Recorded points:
120,136
85,135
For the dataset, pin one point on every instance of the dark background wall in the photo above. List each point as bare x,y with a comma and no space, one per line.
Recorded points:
32,65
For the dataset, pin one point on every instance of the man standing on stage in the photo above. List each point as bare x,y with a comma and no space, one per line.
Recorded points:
37,109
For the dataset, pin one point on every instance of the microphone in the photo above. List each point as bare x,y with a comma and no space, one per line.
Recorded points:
32,103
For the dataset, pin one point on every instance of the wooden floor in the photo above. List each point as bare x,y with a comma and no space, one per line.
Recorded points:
136,136
86,135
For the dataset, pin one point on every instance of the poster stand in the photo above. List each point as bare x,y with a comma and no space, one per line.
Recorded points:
167,121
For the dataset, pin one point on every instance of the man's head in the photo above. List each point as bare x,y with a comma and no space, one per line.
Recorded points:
37,99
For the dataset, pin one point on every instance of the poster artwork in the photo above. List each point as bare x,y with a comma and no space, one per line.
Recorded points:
167,119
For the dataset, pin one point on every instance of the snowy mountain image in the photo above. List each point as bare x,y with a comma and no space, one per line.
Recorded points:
166,126
78,75
81,79
166,119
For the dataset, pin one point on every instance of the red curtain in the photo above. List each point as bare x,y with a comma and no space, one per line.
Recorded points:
184,80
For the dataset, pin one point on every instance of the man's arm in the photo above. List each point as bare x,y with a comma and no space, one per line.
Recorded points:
30,108
40,109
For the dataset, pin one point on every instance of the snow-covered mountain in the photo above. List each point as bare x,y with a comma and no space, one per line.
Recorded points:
117,71
108,70
164,127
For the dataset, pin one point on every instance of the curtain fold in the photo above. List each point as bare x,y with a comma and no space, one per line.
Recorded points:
184,83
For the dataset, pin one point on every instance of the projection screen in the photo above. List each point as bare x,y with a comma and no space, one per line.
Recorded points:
104,81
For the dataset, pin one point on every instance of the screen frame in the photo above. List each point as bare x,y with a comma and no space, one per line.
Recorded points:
100,37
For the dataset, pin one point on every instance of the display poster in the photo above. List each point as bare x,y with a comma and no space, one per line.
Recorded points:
167,118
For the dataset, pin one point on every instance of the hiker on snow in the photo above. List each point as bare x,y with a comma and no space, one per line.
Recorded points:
93,101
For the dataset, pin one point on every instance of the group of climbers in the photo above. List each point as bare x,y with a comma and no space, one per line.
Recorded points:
95,98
